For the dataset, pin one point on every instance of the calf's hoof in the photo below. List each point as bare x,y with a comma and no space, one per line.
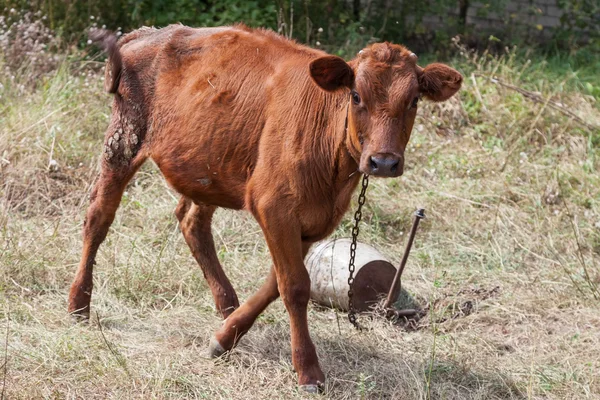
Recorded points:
215,350
79,316
312,389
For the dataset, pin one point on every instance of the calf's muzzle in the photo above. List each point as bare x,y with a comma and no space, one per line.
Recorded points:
388,165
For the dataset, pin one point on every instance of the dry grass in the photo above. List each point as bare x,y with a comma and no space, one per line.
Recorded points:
510,188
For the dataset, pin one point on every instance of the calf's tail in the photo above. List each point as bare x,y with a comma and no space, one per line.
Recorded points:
108,42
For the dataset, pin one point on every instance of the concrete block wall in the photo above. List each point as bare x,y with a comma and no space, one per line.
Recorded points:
530,19
536,13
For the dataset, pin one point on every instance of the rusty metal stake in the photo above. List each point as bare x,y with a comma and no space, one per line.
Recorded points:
419,215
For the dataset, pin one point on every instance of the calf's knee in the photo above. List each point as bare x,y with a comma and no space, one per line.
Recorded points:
296,293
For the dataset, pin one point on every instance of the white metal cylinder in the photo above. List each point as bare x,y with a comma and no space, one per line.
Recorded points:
327,265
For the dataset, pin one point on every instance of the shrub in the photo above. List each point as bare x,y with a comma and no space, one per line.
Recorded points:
27,44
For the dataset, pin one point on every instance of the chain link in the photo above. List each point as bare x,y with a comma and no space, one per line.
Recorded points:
351,267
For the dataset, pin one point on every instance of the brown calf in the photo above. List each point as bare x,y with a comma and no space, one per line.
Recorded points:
247,119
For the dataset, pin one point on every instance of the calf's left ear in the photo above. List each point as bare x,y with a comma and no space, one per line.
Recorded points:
331,73
439,82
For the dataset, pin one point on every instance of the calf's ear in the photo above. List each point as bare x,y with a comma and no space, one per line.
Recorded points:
331,73
438,82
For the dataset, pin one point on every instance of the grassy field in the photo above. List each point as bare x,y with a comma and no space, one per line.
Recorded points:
507,262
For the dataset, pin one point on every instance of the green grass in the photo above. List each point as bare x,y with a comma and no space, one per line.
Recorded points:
510,188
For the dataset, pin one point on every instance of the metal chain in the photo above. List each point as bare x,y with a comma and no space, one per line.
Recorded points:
355,230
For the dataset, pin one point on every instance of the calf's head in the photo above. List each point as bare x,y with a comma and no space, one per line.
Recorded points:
385,85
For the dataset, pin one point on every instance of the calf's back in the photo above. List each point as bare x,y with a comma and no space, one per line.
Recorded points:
208,104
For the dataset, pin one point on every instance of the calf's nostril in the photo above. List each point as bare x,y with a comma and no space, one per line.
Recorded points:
372,163
394,167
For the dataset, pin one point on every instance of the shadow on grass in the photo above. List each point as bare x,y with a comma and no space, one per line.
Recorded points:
357,368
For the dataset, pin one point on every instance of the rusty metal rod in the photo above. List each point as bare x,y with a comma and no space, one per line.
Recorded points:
419,215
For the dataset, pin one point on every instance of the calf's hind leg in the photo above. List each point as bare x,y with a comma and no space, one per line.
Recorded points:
105,199
195,223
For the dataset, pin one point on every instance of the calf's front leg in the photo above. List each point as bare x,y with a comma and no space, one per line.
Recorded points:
241,320
282,233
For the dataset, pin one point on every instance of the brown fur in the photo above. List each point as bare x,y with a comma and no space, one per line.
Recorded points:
246,119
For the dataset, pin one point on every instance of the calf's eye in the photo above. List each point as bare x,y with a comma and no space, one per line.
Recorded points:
414,102
355,97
